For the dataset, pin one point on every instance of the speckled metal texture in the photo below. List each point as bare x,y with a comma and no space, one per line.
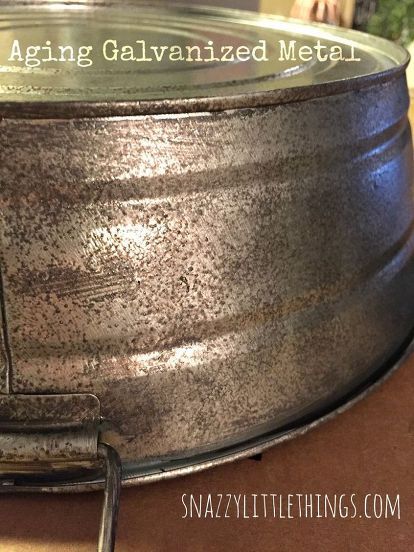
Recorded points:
49,433
209,276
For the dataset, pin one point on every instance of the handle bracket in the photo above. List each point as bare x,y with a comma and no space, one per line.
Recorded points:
46,438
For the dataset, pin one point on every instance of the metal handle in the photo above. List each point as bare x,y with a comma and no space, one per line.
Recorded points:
42,436
109,518
112,490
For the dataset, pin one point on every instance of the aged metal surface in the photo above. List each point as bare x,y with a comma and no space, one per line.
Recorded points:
44,432
203,282
210,276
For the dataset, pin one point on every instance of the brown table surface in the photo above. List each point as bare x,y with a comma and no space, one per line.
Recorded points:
368,449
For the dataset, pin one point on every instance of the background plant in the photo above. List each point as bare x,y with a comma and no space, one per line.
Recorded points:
394,19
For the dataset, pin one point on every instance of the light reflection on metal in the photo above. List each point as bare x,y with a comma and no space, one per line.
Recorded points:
213,259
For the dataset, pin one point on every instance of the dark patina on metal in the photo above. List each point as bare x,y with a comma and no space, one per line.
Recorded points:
217,254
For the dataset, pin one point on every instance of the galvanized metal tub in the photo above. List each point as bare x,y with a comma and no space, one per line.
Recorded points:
214,261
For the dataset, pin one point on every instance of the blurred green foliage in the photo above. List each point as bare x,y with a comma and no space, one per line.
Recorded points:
394,19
